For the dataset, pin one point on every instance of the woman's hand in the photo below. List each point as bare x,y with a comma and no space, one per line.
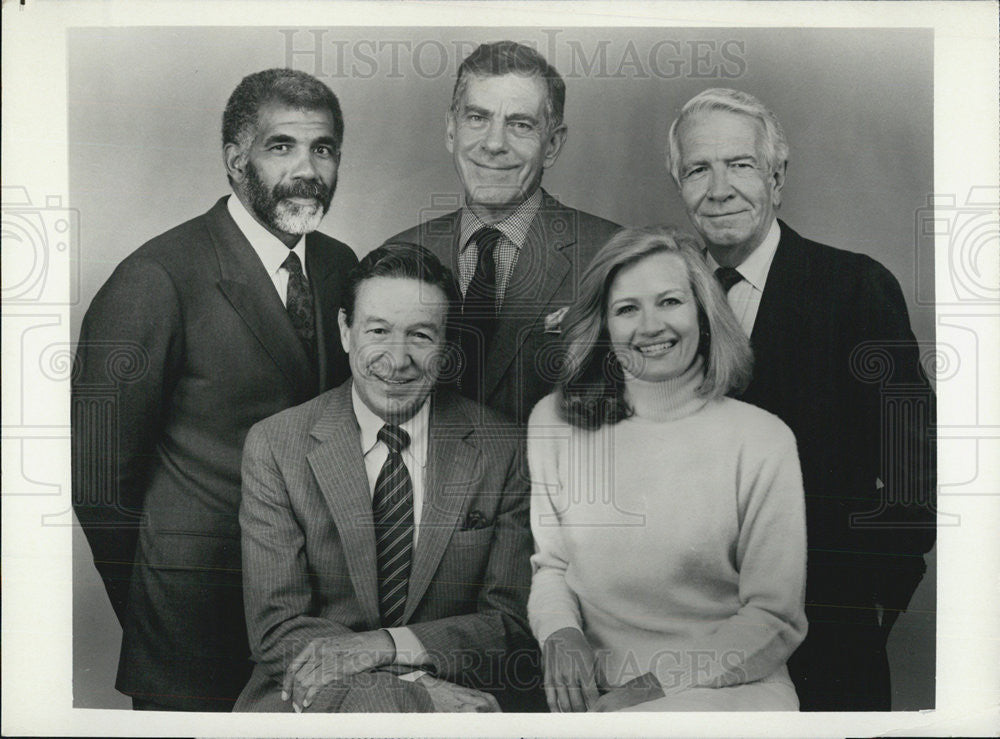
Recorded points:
570,667
638,690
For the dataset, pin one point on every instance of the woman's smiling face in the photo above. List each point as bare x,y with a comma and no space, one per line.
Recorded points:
653,318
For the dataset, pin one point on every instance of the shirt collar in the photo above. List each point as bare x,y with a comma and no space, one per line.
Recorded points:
370,424
755,267
269,248
515,226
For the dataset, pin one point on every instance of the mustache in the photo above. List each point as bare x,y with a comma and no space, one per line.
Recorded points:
302,189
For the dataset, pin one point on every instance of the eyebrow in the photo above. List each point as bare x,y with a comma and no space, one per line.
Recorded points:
410,327
727,160
522,117
425,326
527,117
284,138
679,289
279,138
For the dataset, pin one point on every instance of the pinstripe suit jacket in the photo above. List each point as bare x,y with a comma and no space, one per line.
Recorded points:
309,548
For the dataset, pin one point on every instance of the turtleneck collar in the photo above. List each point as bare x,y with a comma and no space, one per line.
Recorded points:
666,400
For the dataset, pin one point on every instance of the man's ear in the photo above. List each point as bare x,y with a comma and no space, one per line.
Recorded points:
778,182
235,157
449,127
345,330
554,144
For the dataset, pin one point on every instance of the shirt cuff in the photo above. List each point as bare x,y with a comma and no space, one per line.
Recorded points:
409,649
412,677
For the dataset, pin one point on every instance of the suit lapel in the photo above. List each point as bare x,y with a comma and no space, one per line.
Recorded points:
441,237
547,257
250,291
782,304
338,465
453,463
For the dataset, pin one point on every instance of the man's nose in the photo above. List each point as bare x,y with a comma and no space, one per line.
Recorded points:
719,187
303,166
495,139
397,355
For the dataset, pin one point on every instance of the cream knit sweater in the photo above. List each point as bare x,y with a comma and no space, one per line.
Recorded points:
675,539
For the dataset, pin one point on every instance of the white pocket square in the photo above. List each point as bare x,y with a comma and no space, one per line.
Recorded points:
554,319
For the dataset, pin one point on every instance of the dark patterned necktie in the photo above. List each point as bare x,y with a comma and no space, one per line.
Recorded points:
299,304
479,312
727,277
392,510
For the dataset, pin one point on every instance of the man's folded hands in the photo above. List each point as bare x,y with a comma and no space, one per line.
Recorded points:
334,658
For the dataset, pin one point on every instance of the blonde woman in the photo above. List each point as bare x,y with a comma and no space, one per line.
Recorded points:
668,519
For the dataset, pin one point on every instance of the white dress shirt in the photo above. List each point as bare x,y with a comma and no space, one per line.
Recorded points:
269,248
409,650
744,297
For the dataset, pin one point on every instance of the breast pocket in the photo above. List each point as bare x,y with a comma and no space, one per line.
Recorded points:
473,538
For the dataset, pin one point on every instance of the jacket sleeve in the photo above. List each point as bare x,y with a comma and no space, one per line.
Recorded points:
900,417
478,649
277,593
128,358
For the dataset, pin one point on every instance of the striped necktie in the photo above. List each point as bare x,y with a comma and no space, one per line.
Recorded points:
392,509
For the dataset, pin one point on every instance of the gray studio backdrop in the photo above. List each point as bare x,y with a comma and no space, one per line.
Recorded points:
145,107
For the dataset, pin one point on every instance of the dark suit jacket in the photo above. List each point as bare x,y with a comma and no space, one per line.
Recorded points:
522,364
309,566
184,348
835,359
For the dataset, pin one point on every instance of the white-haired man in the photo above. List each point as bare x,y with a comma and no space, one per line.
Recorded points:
811,311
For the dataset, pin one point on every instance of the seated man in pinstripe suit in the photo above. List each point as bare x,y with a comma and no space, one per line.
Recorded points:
384,524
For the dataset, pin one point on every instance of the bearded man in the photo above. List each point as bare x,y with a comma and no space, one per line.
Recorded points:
222,321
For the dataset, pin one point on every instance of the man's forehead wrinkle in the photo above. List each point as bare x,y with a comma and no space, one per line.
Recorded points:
511,105
718,148
528,98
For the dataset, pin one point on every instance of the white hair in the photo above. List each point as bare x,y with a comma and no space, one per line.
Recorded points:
774,145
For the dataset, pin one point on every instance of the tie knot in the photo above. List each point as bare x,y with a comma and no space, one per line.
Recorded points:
486,238
727,277
292,263
394,437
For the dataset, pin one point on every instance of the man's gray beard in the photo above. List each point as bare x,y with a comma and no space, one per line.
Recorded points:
292,218
281,214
